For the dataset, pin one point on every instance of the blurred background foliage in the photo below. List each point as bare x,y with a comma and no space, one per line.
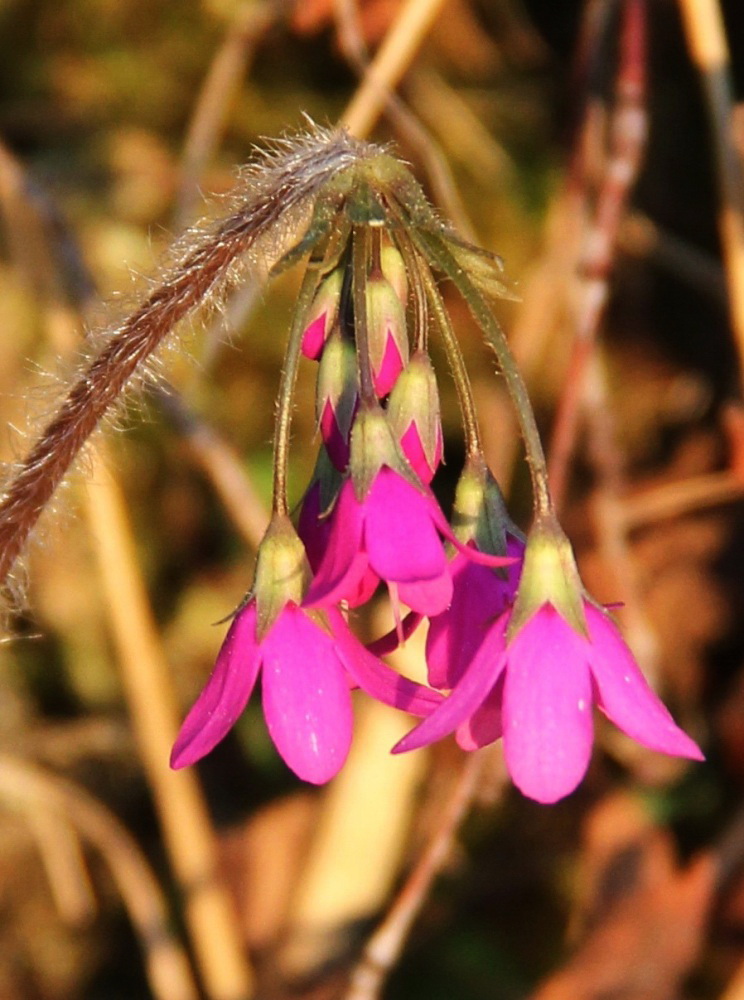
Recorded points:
630,889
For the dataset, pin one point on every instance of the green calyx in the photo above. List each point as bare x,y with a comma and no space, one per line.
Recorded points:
479,513
394,269
373,445
338,382
549,576
282,573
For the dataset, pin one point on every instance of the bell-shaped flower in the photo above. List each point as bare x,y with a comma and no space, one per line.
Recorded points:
392,534
480,594
535,677
386,526
308,663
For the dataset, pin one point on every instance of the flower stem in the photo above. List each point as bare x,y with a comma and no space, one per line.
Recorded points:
435,250
359,257
473,445
280,504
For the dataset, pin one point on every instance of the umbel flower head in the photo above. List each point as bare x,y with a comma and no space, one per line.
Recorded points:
516,649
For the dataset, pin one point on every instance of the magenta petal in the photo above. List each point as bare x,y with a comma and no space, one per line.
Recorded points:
547,708
479,597
465,699
625,696
335,443
306,697
376,678
313,338
485,725
340,567
389,642
390,367
428,597
400,536
225,695
413,449
312,529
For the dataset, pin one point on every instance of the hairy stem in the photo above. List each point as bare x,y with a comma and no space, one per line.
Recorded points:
360,254
282,183
437,252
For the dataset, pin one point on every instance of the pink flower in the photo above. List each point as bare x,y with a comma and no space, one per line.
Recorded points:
393,534
307,671
479,596
537,690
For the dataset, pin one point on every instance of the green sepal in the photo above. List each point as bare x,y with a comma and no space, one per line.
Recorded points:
394,268
282,573
338,380
479,512
549,576
373,445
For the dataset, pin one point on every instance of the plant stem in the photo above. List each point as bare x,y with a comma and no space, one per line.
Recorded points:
390,63
288,378
473,446
437,252
360,254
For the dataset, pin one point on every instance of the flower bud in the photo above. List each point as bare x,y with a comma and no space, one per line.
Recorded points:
394,269
549,577
479,513
388,338
337,396
413,414
282,573
322,314
373,445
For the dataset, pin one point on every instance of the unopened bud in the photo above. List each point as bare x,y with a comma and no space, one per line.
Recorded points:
388,338
337,397
414,416
394,269
479,512
322,314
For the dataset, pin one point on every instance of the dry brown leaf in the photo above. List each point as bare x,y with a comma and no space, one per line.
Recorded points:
644,914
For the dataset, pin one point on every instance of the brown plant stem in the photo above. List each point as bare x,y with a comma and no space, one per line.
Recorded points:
383,948
32,789
220,464
151,699
706,40
406,123
390,63
612,534
683,497
249,24
149,691
627,141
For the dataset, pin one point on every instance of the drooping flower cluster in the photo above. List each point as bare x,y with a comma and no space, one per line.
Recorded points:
515,648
